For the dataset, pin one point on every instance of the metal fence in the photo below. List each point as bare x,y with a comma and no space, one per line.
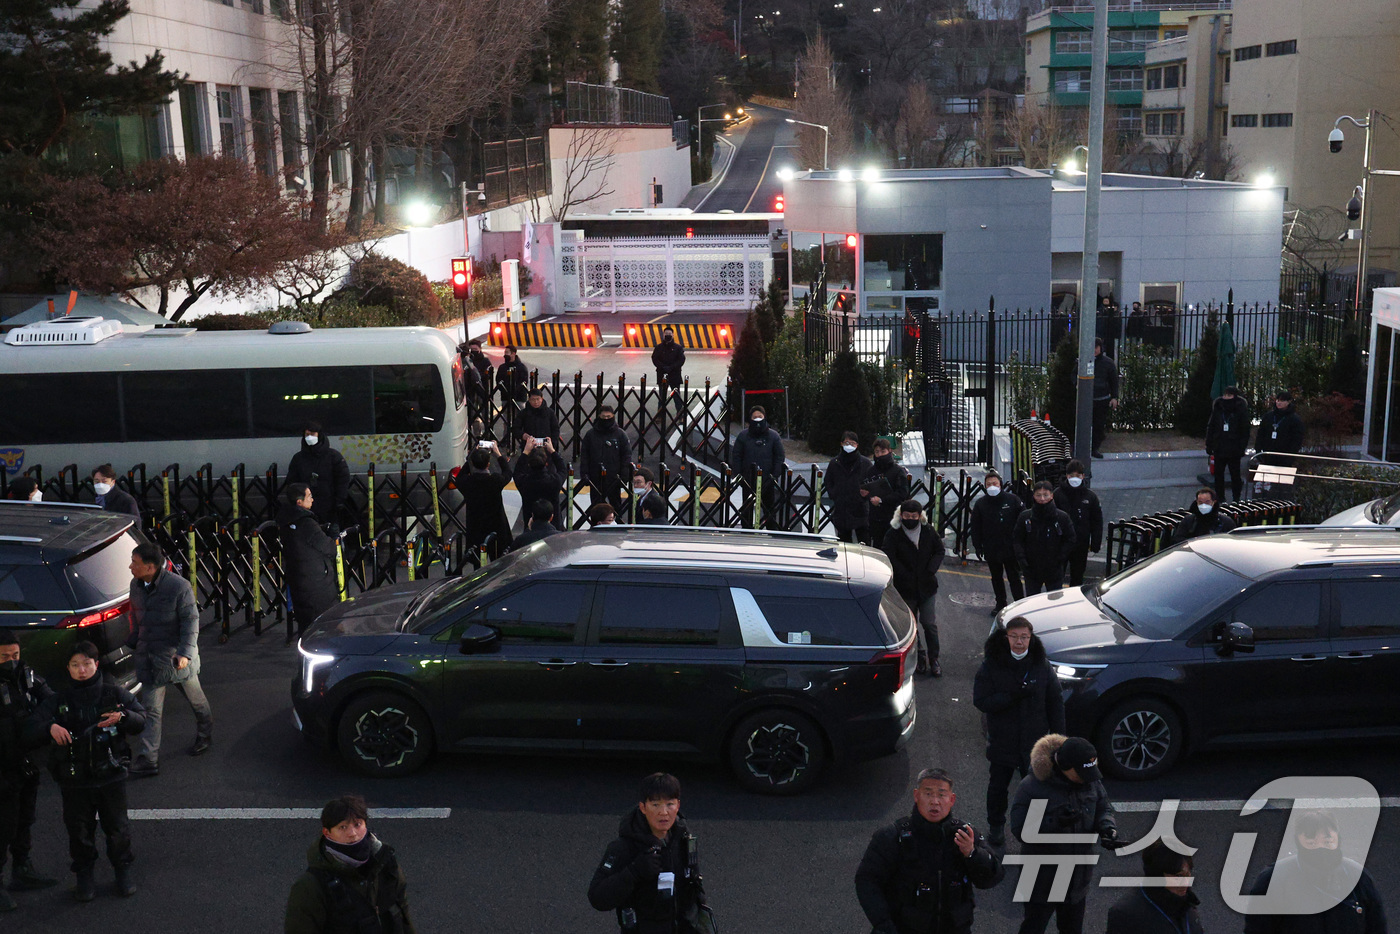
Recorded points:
514,169
596,103
1131,540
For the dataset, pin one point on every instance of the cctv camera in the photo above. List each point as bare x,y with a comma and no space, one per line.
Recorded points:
1334,139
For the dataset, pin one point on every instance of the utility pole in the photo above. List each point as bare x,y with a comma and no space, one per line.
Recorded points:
1089,274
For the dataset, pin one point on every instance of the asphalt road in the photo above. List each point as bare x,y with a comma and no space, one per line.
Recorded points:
751,183
524,833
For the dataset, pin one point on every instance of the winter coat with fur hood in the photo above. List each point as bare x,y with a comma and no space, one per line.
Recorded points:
1070,808
1020,700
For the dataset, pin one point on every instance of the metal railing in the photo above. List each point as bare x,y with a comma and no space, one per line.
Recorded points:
1129,541
599,104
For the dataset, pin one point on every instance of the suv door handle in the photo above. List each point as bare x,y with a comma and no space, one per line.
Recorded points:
556,663
1353,656
1308,658
608,663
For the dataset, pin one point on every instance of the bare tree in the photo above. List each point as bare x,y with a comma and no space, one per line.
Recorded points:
588,164
1185,156
916,125
1315,237
822,100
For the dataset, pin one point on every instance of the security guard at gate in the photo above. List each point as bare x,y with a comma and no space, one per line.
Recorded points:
918,874
21,693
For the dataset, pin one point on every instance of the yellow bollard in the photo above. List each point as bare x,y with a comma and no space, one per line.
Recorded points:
369,533
437,512
165,485
257,573
194,581
237,532
758,499
340,566
411,562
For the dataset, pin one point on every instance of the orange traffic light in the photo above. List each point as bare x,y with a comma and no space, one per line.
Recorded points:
850,241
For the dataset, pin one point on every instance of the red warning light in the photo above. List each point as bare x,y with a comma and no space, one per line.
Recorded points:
689,232
587,331
498,329
778,205
723,331
631,331
850,241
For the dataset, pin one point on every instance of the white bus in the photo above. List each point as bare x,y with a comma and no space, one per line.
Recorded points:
80,391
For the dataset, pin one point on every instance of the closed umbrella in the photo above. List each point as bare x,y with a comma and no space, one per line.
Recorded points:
1224,361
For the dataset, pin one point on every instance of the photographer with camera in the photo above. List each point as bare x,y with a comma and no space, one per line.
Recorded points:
21,692
650,875
88,721
1065,776
918,873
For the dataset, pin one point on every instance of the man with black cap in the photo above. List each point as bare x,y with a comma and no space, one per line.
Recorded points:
1280,432
1065,776
1044,539
993,527
323,469
918,873
1227,438
760,448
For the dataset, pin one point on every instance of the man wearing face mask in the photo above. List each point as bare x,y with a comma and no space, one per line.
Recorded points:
884,488
993,525
850,512
512,376
915,551
1318,890
26,489
669,358
606,458
759,448
323,469
1203,519
649,504
1018,693
1169,908
353,881
1044,539
109,497
21,693
1081,504
539,475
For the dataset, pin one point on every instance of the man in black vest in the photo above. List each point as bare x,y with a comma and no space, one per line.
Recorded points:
918,874
21,693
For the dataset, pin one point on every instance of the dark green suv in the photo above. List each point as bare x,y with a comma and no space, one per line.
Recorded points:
65,578
773,652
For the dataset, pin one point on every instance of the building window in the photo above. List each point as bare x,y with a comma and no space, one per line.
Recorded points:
1244,120
1277,120
1227,69
230,105
903,262
1248,52
338,155
1174,76
194,119
289,119
1282,48
1129,120
1124,79
1154,79
264,151
1070,82
1074,42
960,105
1164,123
1130,40
1225,122
1172,34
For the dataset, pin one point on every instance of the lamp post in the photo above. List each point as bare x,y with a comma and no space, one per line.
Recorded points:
1069,166
826,140
1089,272
1334,143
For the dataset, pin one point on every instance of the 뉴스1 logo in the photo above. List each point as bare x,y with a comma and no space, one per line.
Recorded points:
12,459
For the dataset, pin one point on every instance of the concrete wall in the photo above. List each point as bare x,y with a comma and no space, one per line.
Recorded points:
626,159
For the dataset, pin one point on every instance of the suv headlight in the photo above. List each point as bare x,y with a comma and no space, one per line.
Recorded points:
310,661
1067,672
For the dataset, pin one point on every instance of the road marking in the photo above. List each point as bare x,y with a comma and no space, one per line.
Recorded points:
761,177
278,813
665,314
718,181
1143,807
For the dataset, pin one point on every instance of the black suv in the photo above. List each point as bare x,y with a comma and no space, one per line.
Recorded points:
64,578
774,652
1261,635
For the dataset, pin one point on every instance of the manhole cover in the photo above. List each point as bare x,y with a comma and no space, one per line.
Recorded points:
984,601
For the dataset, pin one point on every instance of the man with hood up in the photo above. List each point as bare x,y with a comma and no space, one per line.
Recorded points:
1018,693
918,873
322,468
669,359
1166,905
1044,539
1318,890
1065,777
1204,518
308,556
760,448
606,457
1074,498
650,875
353,881
1227,438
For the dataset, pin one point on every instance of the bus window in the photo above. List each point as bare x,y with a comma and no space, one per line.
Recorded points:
59,408
286,398
408,398
185,405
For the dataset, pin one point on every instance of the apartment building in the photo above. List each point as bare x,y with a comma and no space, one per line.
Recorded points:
1185,96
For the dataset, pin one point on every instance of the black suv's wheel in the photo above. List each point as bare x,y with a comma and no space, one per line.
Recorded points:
777,752
1140,739
384,734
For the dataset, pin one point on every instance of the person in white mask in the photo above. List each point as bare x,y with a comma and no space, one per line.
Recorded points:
1081,504
322,468
26,489
1203,518
109,497
1019,696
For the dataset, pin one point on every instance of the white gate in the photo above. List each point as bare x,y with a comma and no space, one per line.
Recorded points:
663,273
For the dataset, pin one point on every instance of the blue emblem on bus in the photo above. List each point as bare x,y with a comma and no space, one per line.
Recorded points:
12,459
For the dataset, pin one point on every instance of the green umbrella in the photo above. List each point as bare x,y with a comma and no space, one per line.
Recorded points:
1224,361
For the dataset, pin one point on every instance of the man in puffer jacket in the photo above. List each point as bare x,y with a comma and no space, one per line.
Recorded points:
1227,438
1065,776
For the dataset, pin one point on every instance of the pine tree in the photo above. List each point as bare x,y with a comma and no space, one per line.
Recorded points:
577,34
748,368
846,405
1348,373
637,38
1193,411
1061,399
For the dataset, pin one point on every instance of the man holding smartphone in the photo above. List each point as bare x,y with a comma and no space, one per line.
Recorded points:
918,873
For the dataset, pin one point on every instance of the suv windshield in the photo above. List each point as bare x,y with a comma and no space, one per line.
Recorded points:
1164,596
446,599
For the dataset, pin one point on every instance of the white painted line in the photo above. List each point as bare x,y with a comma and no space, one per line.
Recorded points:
715,183
1283,804
278,813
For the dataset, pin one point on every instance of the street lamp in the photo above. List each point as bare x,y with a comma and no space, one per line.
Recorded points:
826,140
1071,165
1335,139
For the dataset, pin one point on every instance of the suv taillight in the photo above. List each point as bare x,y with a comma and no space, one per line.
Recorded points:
96,617
899,659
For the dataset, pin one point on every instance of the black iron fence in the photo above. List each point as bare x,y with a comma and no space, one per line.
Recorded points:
596,103
1131,540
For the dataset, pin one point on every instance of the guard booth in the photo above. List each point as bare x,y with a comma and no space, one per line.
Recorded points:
1381,437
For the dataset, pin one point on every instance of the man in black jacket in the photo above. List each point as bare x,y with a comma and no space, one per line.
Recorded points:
1065,776
21,693
322,468
478,359
1227,438
648,502
1105,393
540,474
482,501
512,376
1081,504
1044,538
1317,890
916,551
308,556
669,358
1280,432
541,524
760,448
110,497
537,421
1204,518
993,525
884,488
650,875
1018,693
606,458
850,512
88,720
1159,909
918,873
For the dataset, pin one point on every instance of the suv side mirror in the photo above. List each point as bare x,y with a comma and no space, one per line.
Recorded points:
1236,637
478,639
